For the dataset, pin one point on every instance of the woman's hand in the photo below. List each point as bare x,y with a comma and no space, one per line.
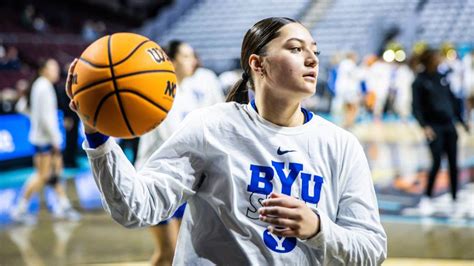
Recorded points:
72,104
289,217
429,133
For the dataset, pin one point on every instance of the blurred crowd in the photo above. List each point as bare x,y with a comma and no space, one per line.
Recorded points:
380,86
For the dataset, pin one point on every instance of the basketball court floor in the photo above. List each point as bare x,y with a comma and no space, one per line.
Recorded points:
397,156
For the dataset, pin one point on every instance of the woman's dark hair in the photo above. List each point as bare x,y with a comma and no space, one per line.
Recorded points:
254,42
427,58
40,64
173,48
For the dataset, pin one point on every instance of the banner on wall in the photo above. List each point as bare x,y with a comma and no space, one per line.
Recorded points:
14,130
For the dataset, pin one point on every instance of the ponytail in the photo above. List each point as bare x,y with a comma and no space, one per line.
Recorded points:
238,93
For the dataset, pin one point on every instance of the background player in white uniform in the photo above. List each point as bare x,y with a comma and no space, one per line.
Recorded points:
46,138
197,87
348,89
266,182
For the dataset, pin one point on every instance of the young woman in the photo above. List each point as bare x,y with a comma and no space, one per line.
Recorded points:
266,182
46,138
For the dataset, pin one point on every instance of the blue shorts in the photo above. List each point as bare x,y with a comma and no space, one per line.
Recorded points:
178,214
43,148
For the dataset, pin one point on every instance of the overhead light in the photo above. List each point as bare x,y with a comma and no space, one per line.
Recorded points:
389,56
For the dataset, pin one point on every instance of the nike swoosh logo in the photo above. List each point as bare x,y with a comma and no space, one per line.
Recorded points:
280,152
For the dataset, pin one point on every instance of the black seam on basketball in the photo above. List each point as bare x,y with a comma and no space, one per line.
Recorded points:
119,100
119,62
102,101
145,98
108,95
131,53
95,83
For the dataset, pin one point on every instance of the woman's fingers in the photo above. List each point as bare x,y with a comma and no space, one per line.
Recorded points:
289,216
280,212
73,106
282,200
70,78
281,222
284,232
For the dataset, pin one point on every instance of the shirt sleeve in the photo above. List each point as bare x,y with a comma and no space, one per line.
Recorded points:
356,237
148,144
167,180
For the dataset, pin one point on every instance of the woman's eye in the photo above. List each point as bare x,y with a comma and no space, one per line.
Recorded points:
296,49
317,53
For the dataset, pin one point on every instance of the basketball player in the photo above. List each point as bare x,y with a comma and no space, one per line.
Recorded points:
266,182
46,138
196,89
348,88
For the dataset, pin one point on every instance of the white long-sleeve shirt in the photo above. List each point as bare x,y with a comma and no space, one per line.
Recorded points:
44,114
223,161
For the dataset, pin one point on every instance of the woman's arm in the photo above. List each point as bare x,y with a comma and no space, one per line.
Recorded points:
167,180
356,236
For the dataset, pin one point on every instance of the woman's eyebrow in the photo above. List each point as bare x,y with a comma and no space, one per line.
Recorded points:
300,40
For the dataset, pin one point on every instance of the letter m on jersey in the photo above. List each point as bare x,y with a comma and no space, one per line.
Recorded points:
262,176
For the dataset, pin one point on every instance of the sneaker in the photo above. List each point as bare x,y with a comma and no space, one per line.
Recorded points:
460,210
23,217
426,207
69,214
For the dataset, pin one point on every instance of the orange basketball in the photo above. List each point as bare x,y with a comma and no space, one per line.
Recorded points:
123,85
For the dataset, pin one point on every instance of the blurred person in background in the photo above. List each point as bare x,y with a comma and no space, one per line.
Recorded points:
452,67
436,109
8,98
88,32
10,61
71,123
348,88
402,82
369,97
21,87
197,87
229,78
28,16
46,139
92,30
378,77
40,25
205,84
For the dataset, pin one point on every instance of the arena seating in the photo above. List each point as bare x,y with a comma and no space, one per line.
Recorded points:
337,25
216,28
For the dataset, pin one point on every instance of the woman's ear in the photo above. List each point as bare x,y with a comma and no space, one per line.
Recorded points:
256,64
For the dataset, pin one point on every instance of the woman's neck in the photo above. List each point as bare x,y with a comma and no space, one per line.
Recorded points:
179,78
280,112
